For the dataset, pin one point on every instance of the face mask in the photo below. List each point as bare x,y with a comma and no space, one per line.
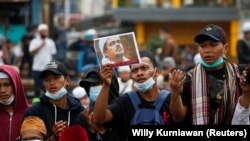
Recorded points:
9,101
162,37
94,91
145,86
59,94
217,63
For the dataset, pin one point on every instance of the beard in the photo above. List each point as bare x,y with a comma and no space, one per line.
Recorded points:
43,36
120,54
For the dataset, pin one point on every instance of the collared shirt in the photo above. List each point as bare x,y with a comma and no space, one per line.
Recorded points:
241,115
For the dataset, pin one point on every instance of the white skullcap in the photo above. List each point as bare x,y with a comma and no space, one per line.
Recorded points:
3,75
79,92
42,27
91,32
246,26
197,58
168,61
102,42
123,69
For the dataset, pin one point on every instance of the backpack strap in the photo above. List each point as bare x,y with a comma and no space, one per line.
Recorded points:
158,103
161,99
134,99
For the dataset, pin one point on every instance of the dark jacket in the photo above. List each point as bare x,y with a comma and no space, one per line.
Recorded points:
109,135
49,112
243,51
11,125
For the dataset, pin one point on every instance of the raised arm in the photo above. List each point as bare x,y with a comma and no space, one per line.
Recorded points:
177,108
101,113
242,110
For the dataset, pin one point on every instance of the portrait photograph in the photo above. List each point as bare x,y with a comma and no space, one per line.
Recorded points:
119,50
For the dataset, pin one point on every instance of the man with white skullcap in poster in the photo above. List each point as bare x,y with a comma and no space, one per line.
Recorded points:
112,50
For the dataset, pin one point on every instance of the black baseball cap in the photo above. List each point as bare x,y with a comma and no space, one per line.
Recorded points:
55,67
92,77
211,32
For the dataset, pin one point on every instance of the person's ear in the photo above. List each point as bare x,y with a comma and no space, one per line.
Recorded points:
225,48
157,71
67,80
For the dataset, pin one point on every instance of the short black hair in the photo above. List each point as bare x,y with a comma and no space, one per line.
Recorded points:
150,56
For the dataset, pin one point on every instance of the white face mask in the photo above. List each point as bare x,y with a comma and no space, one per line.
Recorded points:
8,101
145,86
59,94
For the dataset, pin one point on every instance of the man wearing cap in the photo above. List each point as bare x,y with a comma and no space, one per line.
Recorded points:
209,93
13,103
112,50
42,48
57,108
243,45
93,83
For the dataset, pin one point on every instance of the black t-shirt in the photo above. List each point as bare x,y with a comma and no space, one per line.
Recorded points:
215,88
123,112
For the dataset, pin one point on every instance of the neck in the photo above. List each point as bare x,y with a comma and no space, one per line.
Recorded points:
9,108
216,68
62,103
150,95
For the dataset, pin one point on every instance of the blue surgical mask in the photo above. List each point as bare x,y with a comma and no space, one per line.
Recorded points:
144,86
59,94
215,64
8,101
94,91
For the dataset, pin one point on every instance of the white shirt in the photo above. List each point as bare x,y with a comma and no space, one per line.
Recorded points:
241,115
107,61
44,55
125,86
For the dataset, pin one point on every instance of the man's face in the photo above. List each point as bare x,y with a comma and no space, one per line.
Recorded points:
53,82
114,47
143,71
124,75
44,33
210,51
6,89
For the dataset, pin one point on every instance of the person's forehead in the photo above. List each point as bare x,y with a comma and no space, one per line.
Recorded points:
144,61
113,38
209,42
2,80
32,133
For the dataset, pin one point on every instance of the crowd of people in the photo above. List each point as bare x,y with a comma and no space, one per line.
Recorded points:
212,92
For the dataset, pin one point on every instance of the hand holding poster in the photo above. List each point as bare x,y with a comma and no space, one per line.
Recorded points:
119,50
